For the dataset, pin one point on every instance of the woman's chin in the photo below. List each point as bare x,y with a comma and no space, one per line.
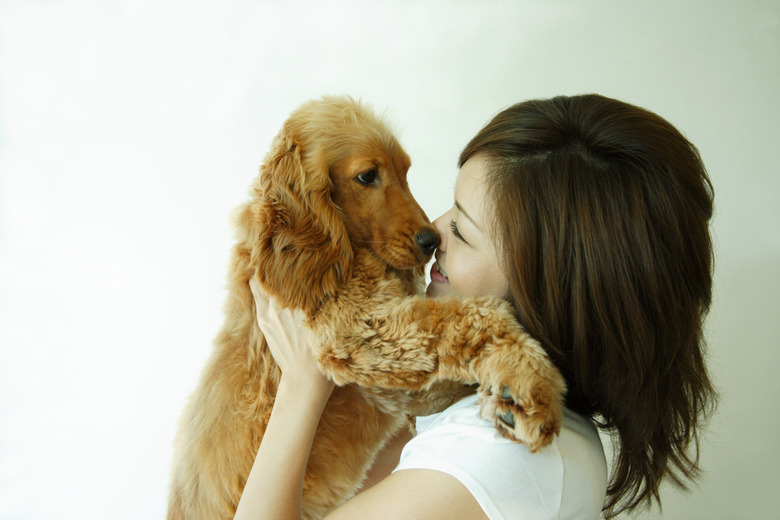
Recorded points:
436,290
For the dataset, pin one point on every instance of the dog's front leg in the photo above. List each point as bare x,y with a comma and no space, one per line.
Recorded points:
414,342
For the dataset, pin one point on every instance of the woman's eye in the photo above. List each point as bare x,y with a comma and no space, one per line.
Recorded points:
367,177
456,232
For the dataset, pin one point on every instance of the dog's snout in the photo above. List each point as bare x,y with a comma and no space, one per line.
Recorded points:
428,241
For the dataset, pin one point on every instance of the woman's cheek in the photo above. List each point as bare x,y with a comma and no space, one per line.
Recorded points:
462,280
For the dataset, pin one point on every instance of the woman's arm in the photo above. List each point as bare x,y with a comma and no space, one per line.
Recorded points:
422,494
273,489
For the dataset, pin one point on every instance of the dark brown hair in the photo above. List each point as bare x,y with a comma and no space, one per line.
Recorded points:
602,211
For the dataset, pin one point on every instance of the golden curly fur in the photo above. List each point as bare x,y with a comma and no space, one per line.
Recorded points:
333,229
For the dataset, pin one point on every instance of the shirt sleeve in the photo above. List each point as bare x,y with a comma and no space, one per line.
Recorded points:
506,479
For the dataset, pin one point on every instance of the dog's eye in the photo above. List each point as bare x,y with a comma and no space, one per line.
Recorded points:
367,177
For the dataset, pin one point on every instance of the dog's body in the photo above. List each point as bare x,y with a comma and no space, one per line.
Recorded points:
333,229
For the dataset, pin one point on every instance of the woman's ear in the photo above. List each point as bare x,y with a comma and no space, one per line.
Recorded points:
302,250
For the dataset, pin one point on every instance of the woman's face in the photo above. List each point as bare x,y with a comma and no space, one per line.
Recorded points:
467,261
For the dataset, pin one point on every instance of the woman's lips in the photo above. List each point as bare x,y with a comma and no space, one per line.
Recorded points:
438,274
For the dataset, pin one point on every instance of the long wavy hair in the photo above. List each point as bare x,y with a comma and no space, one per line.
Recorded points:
602,211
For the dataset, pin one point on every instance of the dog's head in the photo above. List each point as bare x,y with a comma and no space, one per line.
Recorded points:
334,180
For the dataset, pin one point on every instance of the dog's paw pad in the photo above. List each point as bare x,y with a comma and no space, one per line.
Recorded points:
508,419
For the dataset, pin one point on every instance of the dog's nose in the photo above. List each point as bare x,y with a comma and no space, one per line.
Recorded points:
427,240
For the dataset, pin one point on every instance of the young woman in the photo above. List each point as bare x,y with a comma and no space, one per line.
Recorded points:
590,216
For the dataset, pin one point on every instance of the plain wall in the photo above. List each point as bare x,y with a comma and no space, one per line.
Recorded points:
130,129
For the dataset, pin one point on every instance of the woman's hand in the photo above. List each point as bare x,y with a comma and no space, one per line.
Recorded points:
287,338
273,488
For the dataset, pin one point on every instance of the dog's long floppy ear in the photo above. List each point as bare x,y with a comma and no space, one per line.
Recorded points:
302,250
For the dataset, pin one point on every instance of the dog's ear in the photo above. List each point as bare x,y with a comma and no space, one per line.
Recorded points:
302,250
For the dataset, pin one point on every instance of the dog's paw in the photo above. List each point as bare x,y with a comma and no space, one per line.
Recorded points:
522,394
532,420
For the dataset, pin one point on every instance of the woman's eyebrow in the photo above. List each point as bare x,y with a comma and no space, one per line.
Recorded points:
460,208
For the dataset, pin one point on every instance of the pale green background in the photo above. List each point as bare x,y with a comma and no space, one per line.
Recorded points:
129,129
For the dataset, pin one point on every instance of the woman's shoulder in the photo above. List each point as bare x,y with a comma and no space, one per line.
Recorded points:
504,476
463,416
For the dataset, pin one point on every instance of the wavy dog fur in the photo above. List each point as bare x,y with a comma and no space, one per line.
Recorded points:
332,228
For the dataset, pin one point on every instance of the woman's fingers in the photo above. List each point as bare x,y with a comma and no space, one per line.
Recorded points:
284,331
272,318
262,300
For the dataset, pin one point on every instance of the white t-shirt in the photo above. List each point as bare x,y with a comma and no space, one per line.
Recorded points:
566,480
